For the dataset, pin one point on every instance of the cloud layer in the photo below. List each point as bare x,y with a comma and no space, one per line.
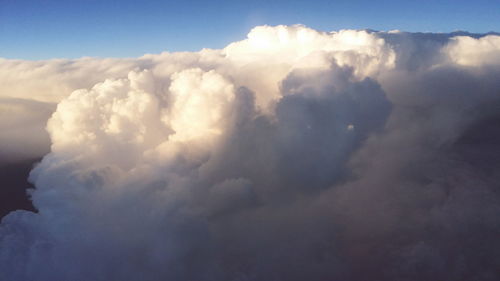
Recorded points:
294,154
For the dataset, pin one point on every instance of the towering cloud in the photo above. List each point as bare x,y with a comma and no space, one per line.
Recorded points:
294,154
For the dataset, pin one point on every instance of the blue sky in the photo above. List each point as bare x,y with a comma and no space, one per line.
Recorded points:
69,29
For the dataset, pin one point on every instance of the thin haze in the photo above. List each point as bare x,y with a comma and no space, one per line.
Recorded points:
46,29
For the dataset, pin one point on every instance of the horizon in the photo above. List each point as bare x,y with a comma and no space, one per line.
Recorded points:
40,30
449,34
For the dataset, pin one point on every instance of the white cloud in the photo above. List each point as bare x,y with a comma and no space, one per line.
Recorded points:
469,51
294,154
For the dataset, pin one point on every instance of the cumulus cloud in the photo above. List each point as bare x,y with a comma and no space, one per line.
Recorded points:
474,52
294,154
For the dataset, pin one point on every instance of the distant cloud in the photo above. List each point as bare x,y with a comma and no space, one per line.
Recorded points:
294,154
474,52
22,122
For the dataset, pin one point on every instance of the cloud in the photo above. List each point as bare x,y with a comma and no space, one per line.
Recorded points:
294,154
22,123
468,51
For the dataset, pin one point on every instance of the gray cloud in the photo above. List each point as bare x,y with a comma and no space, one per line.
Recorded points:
292,155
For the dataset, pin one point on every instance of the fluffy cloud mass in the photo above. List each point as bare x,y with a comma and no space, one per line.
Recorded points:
294,154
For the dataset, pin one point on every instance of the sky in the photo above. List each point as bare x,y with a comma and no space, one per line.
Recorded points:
47,29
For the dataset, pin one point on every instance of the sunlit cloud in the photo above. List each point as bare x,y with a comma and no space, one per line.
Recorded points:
294,154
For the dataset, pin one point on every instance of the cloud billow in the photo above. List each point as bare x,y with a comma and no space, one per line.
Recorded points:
294,154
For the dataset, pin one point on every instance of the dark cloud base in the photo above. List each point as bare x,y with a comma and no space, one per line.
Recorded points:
14,185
